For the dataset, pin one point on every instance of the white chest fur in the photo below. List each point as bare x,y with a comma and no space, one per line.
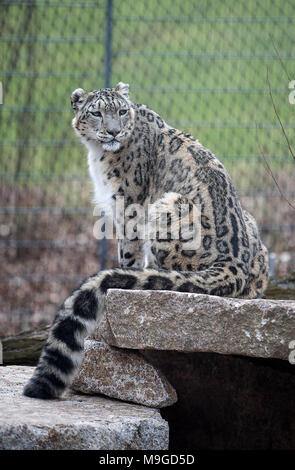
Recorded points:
103,189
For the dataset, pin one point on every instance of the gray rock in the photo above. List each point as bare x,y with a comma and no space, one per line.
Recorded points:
74,422
122,374
187,322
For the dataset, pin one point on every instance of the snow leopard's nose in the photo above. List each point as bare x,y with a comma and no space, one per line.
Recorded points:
113,132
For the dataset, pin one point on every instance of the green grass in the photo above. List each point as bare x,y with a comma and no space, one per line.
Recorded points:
201,65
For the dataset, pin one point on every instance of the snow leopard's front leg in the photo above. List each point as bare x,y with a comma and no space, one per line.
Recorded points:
130,253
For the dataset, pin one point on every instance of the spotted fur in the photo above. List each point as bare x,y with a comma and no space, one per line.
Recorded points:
133,153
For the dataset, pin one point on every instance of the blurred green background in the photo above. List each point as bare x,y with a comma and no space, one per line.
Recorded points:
201,65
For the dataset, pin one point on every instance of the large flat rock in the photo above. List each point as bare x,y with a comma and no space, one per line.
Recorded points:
187,322
122,374
74,422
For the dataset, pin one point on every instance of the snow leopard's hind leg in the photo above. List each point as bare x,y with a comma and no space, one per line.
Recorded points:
258,270
172,243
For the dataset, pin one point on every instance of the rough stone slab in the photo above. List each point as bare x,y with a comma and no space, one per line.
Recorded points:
73,422
122,374
187,322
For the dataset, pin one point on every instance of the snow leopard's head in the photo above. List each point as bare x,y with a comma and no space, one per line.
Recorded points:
105,116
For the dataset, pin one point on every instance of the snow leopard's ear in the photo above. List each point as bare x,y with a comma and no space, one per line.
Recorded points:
123,89
78,98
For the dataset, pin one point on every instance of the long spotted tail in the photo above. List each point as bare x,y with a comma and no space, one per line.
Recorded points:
77,318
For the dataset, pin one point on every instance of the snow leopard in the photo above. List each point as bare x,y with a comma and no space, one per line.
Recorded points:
134,154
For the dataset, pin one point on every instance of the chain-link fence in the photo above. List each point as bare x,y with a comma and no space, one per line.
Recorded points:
207,67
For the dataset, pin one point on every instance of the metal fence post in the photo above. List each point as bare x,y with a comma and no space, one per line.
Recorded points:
109,31
103,249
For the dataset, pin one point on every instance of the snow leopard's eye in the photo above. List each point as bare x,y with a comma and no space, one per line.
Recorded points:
122,112
96,114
